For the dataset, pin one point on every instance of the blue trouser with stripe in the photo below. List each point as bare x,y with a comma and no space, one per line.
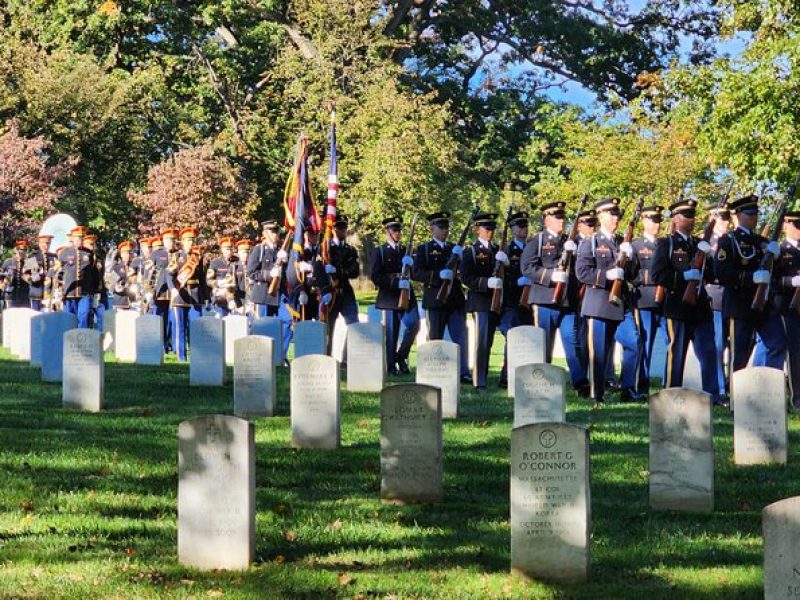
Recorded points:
485,325
181,317
569,326
160,308
792,324
600,343
771,348
513,316
701,335
455,320
392,320
81,308
720,343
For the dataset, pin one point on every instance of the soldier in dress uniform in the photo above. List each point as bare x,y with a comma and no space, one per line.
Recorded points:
431,269
715,292
587,225
262,267
787,278
309,284
223,281
672,269
513,283
38,265
139,261
17,290
122,276
596,267
156,276
477,273
243,248
187,289
738,266
100,301
341,268
79,277
541,264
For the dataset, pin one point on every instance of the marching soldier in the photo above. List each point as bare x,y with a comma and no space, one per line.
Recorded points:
431,269
341,268
788,280
738,266
477,272
122,277
156,280
309,284
38,265
222,279
715,293
80,277
263,267
540,263
17,289
186,288
385,272
513,283
597,268
672,269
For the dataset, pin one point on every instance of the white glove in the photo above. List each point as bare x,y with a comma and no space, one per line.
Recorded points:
304,267
96,300
775,248
458,250
446,274
796,281
326,299
615,273
570,246
704,247
626,249
275,272
302,298
494,283
692,275
761,277
407,261
231,305
282,255
523,281
502,257
559,276
330,269
404,284
148,297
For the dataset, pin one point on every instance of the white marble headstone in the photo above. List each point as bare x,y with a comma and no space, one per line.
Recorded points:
310,337
526,344
149,340
36,339
270,327
125,335
207,355
314,400
54,325
84,370
366,357
236,327
438,365
19,331
254,376
781,526
539,394
759,417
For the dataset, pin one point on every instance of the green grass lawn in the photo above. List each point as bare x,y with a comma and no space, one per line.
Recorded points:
89,503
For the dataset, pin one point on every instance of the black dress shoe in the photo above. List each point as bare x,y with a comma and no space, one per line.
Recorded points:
466,379
402,366
502,384
613,384
722,402
583,389
628,396
392,373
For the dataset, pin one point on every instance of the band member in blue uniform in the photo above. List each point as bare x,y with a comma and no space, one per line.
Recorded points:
477,273
597,268
222,278
738,267
17,289
40,264
385,272
156,276
715,292
672,269
540,263
100,301
122,276
342,267
80,278
430,269
787,278
187,289
514,283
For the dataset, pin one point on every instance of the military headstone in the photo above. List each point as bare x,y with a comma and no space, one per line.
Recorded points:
366,360
36,339
110,330
781,527
438,365
526,344
310,337
550,502
149,340
54,325
9,319
254,376
19,332
681,451
314,400
216,492
236,326
539,394
125,335
207,355
759,418
84,370
411,443
692,376
270,327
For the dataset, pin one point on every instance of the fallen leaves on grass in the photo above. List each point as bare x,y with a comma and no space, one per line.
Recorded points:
290,535
26,505
345,579
280,559
337,524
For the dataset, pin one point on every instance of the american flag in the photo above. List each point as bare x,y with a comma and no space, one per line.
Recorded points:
333,182
300,210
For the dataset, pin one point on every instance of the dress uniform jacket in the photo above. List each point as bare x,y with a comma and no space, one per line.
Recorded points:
193,292
45,262
786,267
739,255
429,259
512,291
644,293
80,272
17,288
384,271
539,260
156,270
120,279
596,255
260,262
216,278
345,258
714,289
477,266
673,256
315,285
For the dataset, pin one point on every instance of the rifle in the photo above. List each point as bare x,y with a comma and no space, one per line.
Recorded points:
699,259
405,275
566,255
615,295
452,263
275,284
499,268
661,291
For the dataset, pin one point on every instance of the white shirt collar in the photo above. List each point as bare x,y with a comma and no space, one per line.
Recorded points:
551,232
792,243
483,243
441,244
608,234
649,237
683,235
391,244
745,229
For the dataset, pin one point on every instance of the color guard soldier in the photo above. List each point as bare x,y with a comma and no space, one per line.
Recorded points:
540,263
187,289
243,248
263,267
38,265
222,279
788,284
341,268
17,290
587,225
80,278
385,272
738,267
431,269
596,267
672,268
715,292
157,280
513,313
477,273
309,284
122,277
